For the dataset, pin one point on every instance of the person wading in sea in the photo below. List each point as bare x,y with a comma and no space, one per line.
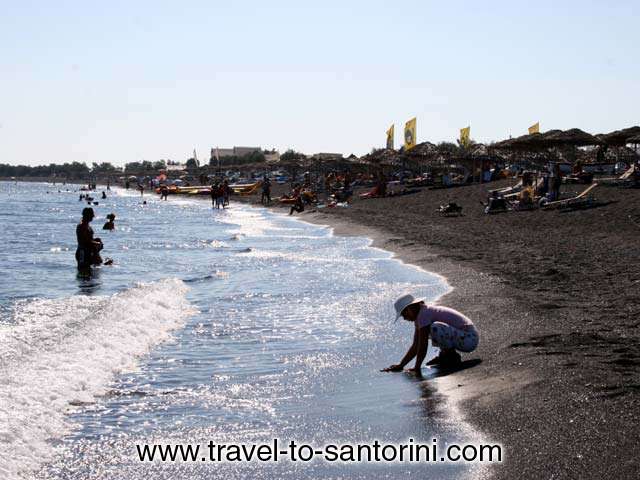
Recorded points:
88,251
449,329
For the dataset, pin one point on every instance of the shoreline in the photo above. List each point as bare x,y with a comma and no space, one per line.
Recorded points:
558,384
555,297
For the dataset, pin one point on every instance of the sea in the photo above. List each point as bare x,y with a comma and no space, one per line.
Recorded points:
235,326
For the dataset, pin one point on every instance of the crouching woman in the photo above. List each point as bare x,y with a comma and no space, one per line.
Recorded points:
449,330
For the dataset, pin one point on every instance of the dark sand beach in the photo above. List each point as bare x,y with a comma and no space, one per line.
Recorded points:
556,296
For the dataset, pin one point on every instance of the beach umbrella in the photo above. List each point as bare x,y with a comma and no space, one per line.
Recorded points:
572,137
552,138
620,138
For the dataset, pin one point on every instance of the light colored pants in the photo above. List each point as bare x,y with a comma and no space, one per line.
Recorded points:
447,337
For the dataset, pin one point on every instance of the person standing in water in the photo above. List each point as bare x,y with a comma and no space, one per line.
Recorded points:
88,251
449,329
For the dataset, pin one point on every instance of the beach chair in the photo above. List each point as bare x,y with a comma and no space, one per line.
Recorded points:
583,200
623,179
509,190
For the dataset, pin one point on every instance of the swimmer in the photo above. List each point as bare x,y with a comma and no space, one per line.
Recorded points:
109,224
449,329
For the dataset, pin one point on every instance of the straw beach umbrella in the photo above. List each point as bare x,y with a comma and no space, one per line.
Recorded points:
573,137
552,138
620,138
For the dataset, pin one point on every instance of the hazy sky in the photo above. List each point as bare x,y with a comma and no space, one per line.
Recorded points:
125,81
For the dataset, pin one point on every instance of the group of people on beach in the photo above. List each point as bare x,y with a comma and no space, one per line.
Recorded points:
220,193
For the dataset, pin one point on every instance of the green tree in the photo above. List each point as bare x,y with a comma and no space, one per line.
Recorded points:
159,165
192,164
291,156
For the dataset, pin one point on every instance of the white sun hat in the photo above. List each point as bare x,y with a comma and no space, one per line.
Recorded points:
403,302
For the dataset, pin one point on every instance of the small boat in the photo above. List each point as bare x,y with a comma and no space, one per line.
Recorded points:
192,190
245,188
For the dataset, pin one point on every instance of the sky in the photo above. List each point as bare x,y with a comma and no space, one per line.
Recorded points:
124,81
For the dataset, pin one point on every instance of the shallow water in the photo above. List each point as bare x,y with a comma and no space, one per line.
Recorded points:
238,325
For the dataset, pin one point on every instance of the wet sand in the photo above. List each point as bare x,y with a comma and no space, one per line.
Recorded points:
556,296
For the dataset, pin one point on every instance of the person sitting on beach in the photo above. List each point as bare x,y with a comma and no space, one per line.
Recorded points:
449,329
496,203
109,224
88,251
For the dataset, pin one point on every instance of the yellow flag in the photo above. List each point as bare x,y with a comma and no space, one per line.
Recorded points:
410,134
535,128
390,134
464,135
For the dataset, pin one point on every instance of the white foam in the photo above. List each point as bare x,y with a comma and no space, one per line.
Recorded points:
65,351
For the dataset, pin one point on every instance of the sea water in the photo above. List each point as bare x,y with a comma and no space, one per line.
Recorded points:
238,325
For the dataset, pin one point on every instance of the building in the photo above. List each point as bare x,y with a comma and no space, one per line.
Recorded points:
272,157
234,152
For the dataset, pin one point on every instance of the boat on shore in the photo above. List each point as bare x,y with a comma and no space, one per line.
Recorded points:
237,189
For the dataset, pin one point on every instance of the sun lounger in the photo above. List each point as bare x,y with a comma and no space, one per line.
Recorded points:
373,193
622,179
581,200
508,190
628,173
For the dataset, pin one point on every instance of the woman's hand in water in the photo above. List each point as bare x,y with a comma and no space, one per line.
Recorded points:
392,368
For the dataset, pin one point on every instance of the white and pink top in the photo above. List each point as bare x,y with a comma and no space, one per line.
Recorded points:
435,313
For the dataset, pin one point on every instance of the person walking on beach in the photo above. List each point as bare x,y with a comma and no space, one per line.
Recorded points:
226,193
220,196
449,329
214,194
88,251
556,182
266,191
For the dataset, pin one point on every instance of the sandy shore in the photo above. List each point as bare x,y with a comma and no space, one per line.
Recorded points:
556,296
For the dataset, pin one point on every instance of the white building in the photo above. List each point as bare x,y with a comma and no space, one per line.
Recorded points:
235,151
